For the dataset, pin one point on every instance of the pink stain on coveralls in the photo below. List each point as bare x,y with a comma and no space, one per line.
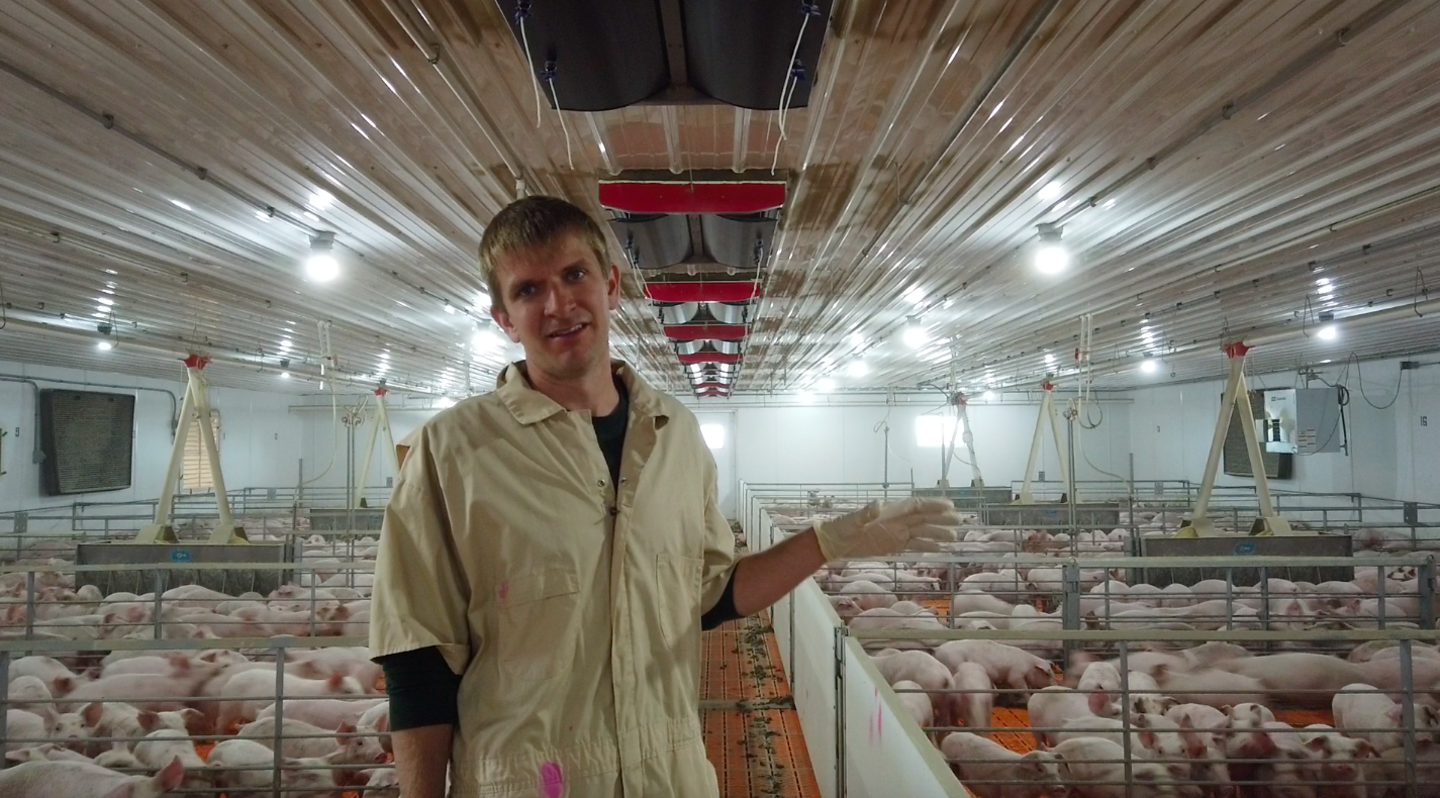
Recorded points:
552,783
504,590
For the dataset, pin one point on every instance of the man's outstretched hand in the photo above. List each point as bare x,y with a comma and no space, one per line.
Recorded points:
876,530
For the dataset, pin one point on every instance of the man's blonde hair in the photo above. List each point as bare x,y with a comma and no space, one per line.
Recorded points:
534,222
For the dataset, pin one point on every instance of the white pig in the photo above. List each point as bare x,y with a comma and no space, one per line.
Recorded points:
1094,769
917,704
990,770
252,691
869,595
975,707
1006,665
161,747
1050,708
80,780
1363,712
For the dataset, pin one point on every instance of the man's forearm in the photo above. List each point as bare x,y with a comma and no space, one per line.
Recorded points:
422,756
763,579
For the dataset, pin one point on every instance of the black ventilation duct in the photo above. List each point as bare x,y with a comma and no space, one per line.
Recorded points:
597,55
653,241
741,241
738,51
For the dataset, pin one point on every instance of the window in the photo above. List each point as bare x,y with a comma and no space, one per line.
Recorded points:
195,471
932,432
714,435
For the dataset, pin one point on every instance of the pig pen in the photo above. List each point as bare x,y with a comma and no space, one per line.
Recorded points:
1200,649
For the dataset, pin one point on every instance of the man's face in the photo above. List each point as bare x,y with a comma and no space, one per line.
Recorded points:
557,303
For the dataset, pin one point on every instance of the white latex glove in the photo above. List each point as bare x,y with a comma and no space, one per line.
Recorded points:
876,530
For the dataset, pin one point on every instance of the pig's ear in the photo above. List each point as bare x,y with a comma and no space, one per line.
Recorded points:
335,680
1365,749
63,684
1394,713
170,776
1194,744
91,713
1099,703
179,662
1147,738
382,723
149,721
1318,743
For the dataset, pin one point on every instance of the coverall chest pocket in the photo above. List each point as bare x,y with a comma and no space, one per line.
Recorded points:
536,619
678,581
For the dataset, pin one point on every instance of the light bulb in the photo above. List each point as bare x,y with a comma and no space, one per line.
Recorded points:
321,266
858,368
1329,332
104,346
1149,366
914,335
1051,258
284,375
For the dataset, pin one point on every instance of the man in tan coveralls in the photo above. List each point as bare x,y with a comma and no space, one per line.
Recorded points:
550,549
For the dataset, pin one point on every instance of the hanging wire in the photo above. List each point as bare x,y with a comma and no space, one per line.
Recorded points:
795,72
1400,375
328,358
549,76
4,320
522,13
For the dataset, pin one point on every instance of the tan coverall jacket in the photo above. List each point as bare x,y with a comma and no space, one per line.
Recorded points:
570,609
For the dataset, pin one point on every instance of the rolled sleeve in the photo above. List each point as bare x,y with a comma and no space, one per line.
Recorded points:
719,541
421,595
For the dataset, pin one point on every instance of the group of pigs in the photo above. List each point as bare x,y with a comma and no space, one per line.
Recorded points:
124,724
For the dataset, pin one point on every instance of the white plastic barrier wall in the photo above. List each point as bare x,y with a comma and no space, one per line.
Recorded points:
885,753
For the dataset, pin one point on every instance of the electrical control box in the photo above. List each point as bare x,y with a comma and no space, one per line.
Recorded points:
1302,421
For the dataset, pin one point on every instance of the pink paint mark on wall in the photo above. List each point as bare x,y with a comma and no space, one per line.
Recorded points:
552,782
504,590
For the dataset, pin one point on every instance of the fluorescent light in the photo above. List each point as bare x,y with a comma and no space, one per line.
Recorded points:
858,368
321,199
284,375
1049,359
104,346
179,204
1329,332
105,300
1149,365
1052,190
914,295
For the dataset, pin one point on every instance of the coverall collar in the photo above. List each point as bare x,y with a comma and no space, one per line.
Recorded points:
530,406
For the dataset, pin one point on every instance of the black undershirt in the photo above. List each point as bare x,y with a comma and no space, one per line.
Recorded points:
424,691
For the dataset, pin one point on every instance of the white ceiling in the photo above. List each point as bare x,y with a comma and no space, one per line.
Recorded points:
939,134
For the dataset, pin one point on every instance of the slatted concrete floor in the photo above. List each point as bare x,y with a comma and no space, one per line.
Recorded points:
758,749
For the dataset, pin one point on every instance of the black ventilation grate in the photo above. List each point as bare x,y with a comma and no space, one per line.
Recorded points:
87,440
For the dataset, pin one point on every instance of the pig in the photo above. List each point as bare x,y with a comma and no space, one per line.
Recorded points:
163,746
1093,769
1199,716
82,780
916,703
381,783
320,663
1144,692
245,769
30,693
869,595
376,721
1310,679
1006,665
1211,687
251,691
974,708
919,667
150,691
1362,707
845,606
990,770
1051,707
300,740
24,729
1339,759
1245,734
976,601
118,759
49,670
1287,770
327,713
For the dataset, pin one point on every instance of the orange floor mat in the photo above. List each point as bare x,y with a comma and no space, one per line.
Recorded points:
755,751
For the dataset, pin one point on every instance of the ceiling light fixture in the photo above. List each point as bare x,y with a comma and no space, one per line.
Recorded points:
1329,332
284,375
1052,190
321,266
1149,365
1051,257
104,346
914,335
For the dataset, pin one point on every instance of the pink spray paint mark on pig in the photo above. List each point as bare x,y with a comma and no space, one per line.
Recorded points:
552,783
